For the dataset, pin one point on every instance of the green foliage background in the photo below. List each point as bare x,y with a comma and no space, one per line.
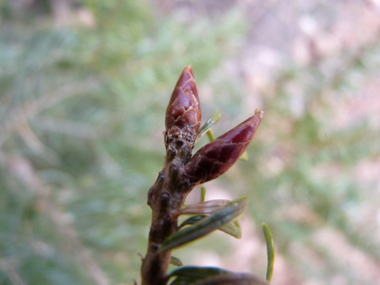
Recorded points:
82,114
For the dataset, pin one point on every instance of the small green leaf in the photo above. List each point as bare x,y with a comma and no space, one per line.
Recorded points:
270,251
175,261
215,117
203,193
192,220
205,226
190,274
210,135
197,272
232,278
212,275
232,228
244,156
207,207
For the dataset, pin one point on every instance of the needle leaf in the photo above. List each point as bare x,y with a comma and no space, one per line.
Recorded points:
215,117
206,225
270,251
212,275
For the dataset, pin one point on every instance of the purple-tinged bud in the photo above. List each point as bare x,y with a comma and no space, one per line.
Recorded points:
216,157
184,109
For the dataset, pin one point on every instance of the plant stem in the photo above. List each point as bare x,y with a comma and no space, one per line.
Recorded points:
166,198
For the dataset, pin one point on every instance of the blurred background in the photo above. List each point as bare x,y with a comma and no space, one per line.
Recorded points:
83,90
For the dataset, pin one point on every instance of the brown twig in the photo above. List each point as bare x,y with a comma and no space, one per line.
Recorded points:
181,171
169,192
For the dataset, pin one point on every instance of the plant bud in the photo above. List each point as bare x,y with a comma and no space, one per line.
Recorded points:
216,157
184,109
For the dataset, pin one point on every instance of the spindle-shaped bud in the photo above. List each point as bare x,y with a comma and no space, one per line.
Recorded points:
184,109
216,157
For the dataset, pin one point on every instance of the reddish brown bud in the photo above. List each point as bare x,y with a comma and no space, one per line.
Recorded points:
216,157
184,109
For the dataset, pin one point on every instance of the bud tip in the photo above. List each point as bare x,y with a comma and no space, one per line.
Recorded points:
260,113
